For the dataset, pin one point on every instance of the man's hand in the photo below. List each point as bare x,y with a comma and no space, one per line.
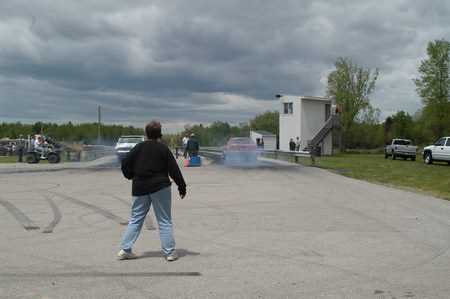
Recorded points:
182,192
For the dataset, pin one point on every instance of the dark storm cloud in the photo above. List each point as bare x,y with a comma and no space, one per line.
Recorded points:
200,61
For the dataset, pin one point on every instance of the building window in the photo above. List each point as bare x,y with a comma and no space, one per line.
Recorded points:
288,108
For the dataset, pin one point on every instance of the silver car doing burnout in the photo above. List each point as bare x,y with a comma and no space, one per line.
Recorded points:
126,143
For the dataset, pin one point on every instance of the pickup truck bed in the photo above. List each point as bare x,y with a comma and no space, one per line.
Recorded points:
400,148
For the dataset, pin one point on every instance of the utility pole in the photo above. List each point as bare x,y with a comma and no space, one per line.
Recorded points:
99,124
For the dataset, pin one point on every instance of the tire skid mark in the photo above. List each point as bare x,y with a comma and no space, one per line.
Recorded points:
25,189
23,219
148,223
96,274
56,215
94,208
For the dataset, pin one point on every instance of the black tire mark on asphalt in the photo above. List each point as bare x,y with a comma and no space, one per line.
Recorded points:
94,208
26,222
56,216
25,190
148,223
94,274
125,202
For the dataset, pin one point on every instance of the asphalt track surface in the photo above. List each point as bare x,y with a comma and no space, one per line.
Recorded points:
274,230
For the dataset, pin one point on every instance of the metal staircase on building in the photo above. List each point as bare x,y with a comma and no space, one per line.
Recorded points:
332,123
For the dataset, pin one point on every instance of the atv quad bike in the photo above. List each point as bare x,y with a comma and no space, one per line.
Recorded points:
49,152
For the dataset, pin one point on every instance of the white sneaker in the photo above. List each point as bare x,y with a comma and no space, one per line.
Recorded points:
172,256
123,255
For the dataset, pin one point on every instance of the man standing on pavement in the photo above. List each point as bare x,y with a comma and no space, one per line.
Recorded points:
20,149
192,147
292,145
185,141
298,144
149,164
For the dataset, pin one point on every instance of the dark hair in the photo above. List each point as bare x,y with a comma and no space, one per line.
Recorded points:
153,130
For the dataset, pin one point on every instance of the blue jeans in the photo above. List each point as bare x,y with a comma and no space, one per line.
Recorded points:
162,203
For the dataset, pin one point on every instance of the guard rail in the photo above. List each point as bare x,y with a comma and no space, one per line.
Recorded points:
217,152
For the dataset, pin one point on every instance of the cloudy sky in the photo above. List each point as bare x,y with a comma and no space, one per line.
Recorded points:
200,61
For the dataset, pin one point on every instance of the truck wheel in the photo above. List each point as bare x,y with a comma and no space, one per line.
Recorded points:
394,156
413,158
404,158
428,158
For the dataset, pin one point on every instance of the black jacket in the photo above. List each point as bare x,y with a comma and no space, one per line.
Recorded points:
292,145
149,164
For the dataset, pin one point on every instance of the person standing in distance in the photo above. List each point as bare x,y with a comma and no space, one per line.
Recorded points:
298,144
20,149
185,141
192,147
291,145
149,165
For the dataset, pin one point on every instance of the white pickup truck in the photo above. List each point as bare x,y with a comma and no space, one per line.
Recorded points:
126,143
400,148
439,151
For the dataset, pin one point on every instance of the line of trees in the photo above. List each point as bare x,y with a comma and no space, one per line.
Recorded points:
215,134
69,132
219,132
